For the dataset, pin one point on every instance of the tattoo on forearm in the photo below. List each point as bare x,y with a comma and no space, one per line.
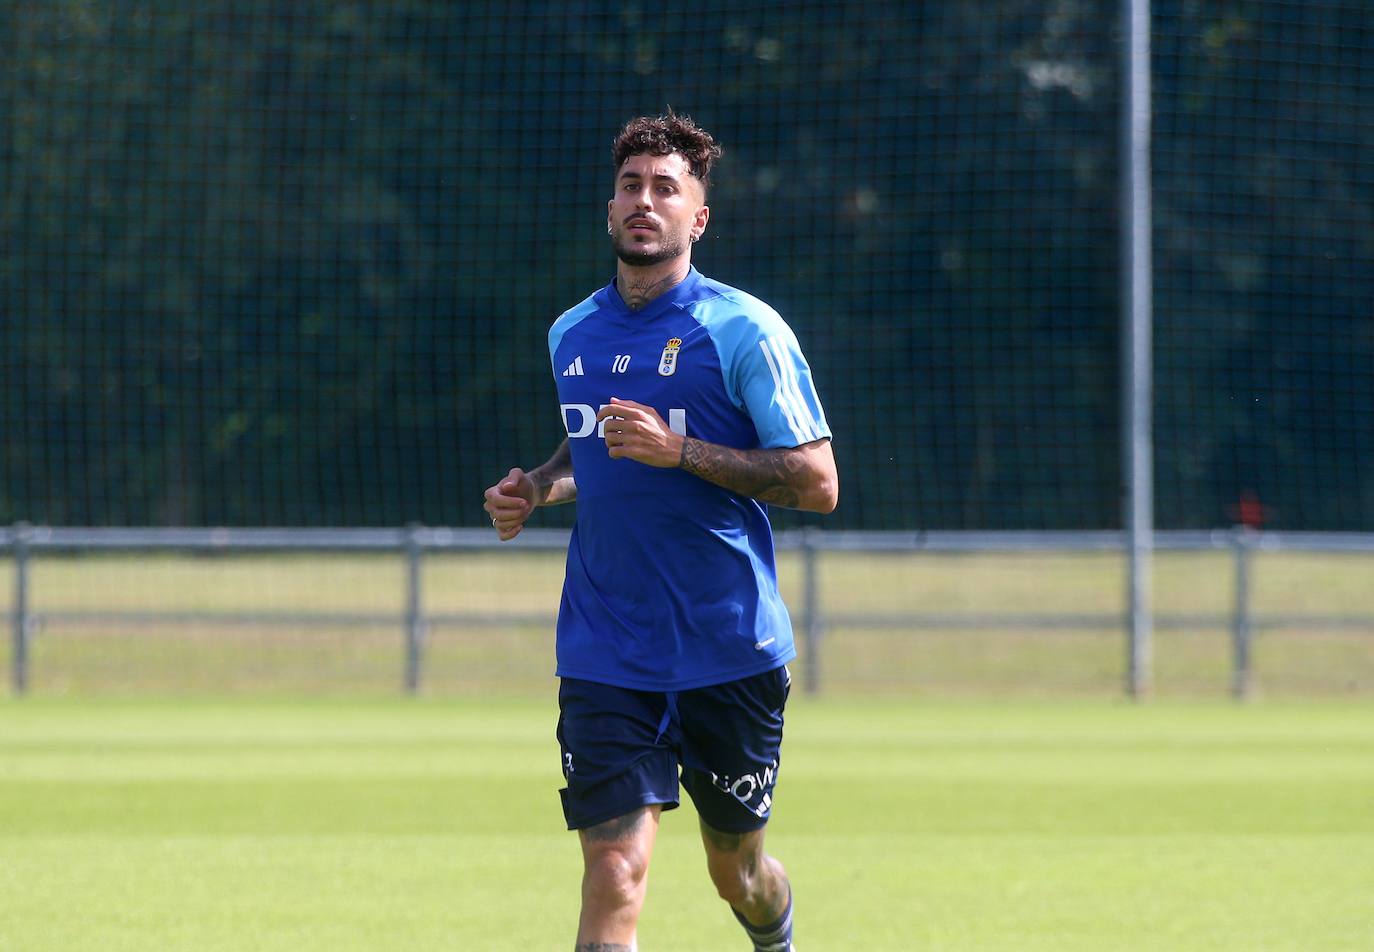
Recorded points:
766,475
602,947
560,490
617,829
554,480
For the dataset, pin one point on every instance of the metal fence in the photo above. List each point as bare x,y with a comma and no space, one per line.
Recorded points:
414,544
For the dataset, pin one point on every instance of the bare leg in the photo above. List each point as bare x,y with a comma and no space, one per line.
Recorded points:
615,862
752,882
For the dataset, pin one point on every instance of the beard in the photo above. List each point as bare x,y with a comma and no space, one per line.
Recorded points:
669,246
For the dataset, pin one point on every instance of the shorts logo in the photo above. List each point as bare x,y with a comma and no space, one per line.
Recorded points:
667,364
754,790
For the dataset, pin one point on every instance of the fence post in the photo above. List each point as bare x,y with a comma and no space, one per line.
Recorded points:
20,610
811,608
415,618
1242,677
1137,317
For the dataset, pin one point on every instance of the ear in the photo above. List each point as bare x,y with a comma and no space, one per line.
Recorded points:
699,221
610,207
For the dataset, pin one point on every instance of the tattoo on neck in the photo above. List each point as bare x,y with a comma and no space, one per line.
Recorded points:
638,288
638,295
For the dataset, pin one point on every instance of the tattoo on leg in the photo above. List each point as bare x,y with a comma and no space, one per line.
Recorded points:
617,829
725,842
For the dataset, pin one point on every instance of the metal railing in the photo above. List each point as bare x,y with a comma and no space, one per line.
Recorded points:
24,542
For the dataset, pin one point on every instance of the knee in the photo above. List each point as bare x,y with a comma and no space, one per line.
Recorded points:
615,875
736,879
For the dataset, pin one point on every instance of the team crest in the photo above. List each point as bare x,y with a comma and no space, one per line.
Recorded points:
667,364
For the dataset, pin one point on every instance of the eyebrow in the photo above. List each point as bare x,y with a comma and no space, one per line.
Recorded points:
635,175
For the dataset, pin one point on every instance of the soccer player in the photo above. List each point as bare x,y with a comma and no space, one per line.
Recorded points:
689,407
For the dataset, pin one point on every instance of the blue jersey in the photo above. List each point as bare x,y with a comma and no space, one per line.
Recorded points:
671,582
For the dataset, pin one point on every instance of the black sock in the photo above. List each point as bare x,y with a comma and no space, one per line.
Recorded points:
776,937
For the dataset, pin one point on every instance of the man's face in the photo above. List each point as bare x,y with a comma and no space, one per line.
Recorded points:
658,209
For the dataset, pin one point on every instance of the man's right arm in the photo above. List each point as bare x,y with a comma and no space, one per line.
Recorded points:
553,481
511,501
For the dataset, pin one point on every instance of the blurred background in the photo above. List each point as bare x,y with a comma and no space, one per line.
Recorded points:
291,266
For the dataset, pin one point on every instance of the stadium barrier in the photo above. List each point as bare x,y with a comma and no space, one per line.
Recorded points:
24,543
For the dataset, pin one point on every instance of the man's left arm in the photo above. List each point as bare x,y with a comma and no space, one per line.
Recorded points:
796,477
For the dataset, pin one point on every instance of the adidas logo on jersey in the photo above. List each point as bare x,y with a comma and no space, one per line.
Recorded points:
574,369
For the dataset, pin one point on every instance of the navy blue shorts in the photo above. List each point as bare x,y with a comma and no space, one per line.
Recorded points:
622,749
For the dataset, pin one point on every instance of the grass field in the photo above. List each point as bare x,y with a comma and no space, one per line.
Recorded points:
391,825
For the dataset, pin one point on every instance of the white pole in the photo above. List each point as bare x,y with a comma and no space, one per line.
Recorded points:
20,620
1136,307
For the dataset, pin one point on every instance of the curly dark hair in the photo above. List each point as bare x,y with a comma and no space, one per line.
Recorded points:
664,135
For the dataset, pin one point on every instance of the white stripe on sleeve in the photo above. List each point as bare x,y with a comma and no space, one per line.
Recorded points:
805,427
779,389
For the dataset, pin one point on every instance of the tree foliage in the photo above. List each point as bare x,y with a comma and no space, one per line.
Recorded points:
293,263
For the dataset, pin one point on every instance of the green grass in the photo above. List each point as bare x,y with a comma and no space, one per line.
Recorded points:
391,825
919,818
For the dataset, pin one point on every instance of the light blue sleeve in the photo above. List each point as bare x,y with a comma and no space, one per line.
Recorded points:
766,374
568,320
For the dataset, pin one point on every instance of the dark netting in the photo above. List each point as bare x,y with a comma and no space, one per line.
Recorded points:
1264,171
292,264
